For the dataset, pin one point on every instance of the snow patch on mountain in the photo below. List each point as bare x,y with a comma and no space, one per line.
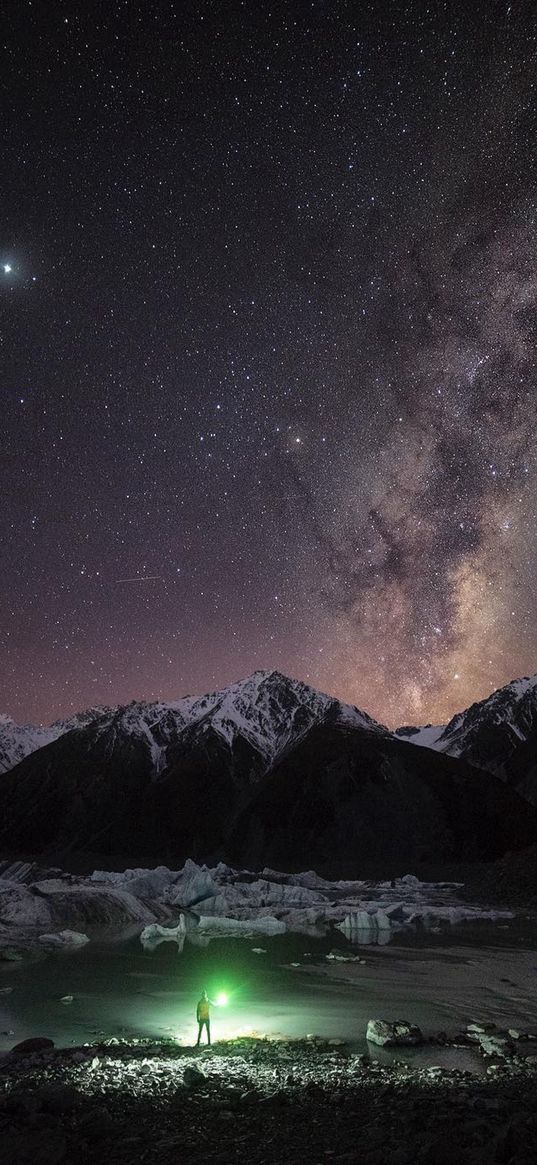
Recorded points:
426,737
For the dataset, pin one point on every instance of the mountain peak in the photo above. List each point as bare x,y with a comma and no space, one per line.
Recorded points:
268,709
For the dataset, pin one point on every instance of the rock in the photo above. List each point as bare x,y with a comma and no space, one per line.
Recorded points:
5,990
386,1034
34,1044
11,955
67,999
514,1034
193,1077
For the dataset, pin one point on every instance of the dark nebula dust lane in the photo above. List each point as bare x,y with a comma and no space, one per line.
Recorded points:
268,304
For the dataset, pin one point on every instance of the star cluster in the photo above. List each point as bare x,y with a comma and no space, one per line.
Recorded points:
268,296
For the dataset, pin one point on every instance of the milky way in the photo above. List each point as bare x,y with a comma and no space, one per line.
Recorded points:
269,310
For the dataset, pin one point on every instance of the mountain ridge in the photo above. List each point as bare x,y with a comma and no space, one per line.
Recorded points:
230,708
270,711
266,768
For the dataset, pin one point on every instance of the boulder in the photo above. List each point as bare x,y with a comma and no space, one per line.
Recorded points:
34,1044
386,1034
194,1077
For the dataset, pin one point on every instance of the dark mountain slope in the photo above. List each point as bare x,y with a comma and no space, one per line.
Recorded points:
95,790
361,798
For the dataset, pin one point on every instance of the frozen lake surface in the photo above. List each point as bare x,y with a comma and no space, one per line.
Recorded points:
440,981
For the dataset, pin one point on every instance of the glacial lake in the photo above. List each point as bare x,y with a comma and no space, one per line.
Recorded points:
440,981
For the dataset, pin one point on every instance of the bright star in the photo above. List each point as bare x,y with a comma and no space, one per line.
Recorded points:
7,268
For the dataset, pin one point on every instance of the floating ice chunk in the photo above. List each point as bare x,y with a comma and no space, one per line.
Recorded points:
155,930
363,927
259,950
64,938
155,934
241,926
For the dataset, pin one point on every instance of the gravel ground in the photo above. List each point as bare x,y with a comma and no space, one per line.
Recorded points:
260,1101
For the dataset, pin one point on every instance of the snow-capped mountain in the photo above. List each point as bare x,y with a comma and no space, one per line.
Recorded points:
267,709
498,734
264,771
269,770
19,740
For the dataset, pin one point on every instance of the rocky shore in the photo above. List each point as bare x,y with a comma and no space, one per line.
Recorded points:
259,1100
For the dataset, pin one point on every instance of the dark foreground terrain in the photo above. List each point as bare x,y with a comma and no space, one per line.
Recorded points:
261,1101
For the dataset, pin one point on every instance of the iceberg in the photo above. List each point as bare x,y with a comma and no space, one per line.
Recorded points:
198,902
155,934
210,927
64,938
363,927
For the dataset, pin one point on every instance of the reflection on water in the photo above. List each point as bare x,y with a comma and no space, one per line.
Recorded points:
365,937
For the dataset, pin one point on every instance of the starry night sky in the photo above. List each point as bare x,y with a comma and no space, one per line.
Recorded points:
268,323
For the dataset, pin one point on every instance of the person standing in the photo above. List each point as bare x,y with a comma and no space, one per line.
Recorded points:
203,1017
